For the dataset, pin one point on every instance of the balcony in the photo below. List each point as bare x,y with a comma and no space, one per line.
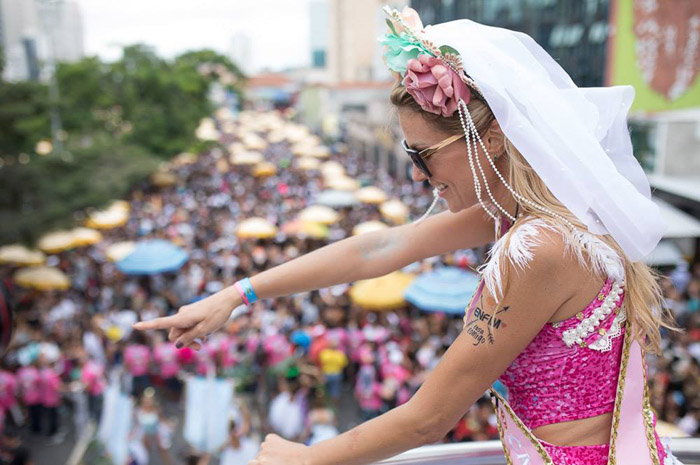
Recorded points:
491,453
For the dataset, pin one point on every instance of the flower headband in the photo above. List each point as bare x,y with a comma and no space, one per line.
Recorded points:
432,75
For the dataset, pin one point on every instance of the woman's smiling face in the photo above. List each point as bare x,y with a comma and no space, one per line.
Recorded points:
449,166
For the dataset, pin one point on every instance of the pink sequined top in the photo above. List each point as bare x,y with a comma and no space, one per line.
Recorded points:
550,382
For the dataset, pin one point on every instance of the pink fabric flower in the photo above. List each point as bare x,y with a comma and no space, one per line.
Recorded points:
435,87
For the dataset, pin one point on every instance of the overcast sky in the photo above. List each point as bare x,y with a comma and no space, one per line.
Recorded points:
278,29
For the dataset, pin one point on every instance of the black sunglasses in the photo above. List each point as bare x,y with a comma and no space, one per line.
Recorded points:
418,157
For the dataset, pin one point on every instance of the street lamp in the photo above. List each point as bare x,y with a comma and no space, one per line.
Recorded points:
50,9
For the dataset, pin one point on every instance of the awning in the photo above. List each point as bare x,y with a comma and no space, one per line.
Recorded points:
680,224
683,186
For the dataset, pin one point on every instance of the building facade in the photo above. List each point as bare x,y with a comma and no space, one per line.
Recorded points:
574,32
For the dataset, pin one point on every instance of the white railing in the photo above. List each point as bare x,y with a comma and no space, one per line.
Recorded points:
491,453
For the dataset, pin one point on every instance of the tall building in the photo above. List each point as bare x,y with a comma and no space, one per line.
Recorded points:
68,32
34,31
20,39
318,34
241,52
353,51
574,32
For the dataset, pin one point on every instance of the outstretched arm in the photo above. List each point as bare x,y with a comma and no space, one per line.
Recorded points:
359,257
490,341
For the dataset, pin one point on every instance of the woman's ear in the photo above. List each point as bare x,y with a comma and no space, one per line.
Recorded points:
495,140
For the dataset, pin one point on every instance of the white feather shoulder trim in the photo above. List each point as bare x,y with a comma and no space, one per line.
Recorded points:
517,247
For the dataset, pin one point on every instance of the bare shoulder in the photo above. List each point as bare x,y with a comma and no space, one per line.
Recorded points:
533,251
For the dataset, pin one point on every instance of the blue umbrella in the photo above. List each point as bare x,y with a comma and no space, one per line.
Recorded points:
153,257
442,290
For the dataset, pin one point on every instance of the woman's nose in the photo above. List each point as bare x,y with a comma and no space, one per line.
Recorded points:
417,174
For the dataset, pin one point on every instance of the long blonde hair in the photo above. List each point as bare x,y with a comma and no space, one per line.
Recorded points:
645,304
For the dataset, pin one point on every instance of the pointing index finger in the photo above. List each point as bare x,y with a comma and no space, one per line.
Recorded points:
157,323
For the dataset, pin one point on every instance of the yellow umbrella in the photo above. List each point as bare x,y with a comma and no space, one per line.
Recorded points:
42,278
264,169
163,179
236,147
258,228
319,214
313,230
185,158
57,242
332,169
20,255
254,142
307,149
320,151
342,184
368,226
246,158
113,217
382,293
85,236
119,250
121,205
371,194
308,164
394,210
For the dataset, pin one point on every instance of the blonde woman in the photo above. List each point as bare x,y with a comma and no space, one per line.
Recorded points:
566,305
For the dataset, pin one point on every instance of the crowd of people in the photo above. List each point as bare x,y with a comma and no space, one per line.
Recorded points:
294,361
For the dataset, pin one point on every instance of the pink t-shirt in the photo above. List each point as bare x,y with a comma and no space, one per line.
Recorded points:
340,335
398,372
206,359
166,357
136,358
8,389
367,389
227,352
252,343
356,338
50,387
277,348
28,380
93,377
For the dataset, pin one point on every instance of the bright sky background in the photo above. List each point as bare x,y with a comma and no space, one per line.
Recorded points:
278,29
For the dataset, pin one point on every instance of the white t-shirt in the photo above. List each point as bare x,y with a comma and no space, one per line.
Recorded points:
287,415
246,452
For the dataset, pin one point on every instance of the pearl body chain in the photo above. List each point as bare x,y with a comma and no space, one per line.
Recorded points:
470,127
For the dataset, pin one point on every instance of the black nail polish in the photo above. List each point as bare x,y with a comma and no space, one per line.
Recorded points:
178,345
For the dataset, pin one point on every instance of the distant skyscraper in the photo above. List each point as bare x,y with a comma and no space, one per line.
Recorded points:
35,30
353,49
20,29
68,35
318,37
241,52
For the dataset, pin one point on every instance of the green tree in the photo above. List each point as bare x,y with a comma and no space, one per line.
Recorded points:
120,120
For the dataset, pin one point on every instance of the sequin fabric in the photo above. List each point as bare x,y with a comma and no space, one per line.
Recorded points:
551,383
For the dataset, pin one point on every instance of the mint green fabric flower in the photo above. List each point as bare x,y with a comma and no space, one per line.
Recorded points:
400,49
